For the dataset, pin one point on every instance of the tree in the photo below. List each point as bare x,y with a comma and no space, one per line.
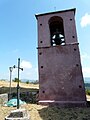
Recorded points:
27,82
16,80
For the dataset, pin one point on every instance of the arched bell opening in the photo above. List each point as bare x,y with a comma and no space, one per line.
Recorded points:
56,31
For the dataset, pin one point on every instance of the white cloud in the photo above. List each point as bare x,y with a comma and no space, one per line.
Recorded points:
85,56
31,74
28,72
86,71
85,20
26,64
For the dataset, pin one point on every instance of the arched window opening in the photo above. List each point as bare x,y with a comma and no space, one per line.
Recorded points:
56,31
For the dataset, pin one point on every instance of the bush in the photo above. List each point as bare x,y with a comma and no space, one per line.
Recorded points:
27,82
87,92
16,80
35,82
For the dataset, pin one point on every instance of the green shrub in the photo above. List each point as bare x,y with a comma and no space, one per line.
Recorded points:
35,82
87,91
16,80
27,82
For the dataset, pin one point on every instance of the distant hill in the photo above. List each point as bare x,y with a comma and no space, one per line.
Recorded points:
30,81
86,80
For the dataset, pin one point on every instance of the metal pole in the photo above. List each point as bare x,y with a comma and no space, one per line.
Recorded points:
10,68
18,88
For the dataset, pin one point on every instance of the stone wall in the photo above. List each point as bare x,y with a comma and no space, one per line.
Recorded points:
3,98
28,97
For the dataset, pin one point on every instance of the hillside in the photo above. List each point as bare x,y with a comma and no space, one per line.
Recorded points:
14,84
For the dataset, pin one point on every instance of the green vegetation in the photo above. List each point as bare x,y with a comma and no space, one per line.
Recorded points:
35,82
16,80
27,82
87,87
87,92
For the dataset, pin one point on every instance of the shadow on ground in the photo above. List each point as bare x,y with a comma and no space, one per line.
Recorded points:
57,113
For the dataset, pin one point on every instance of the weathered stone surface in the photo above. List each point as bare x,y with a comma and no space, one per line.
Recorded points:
3,98
60,71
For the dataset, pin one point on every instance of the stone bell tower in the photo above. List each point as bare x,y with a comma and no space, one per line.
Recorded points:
60,72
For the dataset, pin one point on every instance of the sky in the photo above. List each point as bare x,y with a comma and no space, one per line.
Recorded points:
18,34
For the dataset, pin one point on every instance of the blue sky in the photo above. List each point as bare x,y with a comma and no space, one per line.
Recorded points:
18,33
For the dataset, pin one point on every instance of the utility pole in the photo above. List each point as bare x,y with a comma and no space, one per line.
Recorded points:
10,68
18,87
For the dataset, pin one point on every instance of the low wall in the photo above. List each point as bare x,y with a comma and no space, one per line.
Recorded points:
3,98
28,97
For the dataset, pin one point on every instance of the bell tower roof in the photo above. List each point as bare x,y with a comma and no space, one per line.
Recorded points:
74,10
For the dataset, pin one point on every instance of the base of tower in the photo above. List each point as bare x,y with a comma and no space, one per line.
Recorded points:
64,103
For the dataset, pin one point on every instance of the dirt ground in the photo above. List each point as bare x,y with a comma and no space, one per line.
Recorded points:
32,109
38,112
88,97
14,84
